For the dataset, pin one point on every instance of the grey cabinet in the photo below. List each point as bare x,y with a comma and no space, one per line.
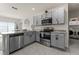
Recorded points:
61,40
58,16
58,40
37,20
26,38
21,41
54,16
16,42
32,36
47,15
11,44
29,37
61,15
38,36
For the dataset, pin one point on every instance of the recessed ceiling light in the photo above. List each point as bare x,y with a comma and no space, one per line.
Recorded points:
33,9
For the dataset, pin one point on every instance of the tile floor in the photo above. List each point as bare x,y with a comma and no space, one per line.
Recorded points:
38,49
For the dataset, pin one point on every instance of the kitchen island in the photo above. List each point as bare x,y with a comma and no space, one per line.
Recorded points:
16,40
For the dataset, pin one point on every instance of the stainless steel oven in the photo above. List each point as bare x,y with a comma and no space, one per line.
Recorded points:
45,38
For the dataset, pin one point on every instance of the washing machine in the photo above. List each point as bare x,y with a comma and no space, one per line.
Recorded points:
77,33
72,32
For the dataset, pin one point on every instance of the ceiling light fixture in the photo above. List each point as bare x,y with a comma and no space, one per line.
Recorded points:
14,8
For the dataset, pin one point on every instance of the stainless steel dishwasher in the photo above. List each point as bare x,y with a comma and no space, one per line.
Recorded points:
16,41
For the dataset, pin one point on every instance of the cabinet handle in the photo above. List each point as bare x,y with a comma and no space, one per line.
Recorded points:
56,38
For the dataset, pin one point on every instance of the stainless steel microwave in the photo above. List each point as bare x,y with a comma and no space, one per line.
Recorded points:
47,21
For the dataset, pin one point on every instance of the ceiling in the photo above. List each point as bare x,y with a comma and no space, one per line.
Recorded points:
25,9
73,6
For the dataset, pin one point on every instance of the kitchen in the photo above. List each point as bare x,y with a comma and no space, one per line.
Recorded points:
37,24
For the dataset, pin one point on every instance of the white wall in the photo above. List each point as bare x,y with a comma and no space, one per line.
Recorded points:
74,13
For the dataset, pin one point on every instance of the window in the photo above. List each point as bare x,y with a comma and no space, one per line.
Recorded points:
7,27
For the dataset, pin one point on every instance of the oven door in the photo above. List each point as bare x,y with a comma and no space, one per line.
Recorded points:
45,38
45,35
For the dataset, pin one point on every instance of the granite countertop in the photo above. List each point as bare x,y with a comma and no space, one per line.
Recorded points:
4,33
7,33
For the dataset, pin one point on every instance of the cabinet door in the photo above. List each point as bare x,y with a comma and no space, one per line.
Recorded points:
39,20
11,44
54,16
32,37
60,15
53,40
16,42
26,38
35,22
38,36
49,14
21,38
61,41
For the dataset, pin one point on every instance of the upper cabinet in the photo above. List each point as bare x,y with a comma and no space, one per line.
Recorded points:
53,17
47,15
58,16
37,20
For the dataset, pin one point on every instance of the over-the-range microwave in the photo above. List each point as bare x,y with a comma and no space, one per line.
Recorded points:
47,21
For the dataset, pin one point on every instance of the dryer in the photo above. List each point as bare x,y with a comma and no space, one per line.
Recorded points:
77,33
72,32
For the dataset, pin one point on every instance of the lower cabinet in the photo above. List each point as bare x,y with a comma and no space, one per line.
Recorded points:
29,37
16,42
58,40
26,38
21,41
38,36
11,44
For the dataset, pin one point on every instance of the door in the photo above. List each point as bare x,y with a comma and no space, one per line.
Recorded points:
38,36
26,38
54,16
39,20
49,14
21,41
32,36
61,41
53,39
16,42
34,20
60,15
11,44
